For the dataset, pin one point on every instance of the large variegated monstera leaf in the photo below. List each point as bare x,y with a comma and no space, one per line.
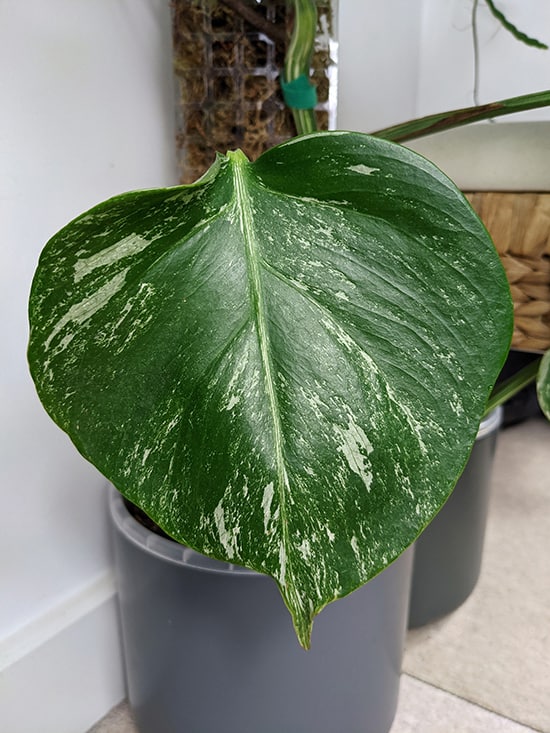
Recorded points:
285,364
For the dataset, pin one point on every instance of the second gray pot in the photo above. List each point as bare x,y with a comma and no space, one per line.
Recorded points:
448,554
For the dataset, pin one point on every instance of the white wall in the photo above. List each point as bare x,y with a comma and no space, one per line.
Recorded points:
489,156
400,59
506,67
378,61
86,95
407,58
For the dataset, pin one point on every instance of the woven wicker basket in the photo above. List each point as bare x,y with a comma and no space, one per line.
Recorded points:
519,224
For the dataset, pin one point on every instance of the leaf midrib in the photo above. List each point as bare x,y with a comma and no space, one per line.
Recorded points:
243,208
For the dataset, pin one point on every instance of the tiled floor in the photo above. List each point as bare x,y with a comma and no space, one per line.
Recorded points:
486,667
495,649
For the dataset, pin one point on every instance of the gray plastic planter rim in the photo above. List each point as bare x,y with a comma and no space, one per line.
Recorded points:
490,423
165,549
173,552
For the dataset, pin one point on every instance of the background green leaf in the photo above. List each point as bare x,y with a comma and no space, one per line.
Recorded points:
543,384
441,121
285,364
514,30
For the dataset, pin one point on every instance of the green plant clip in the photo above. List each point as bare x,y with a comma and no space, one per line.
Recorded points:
299,93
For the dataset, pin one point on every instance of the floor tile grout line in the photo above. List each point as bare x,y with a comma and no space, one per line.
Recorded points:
474,704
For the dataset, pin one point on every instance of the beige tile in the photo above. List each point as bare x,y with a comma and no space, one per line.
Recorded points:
430,710
495,649
119,720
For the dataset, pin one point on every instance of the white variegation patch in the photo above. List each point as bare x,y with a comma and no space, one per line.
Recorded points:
304,548
266,504
365,170
417,428
362,564
355,446
228,539
127,247
83,311
403,480
140,319
234,394
282,564
455,403
342,337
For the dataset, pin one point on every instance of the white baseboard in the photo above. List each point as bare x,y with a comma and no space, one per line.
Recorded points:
63,671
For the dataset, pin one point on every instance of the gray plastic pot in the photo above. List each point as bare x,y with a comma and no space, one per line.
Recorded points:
209,647
448,554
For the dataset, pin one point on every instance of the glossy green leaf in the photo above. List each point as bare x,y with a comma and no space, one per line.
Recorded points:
284,364
543,384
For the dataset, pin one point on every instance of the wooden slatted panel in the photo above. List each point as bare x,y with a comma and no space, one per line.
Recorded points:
519,224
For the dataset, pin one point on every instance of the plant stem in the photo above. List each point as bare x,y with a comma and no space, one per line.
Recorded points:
475,41
298,56
457,117
510,387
